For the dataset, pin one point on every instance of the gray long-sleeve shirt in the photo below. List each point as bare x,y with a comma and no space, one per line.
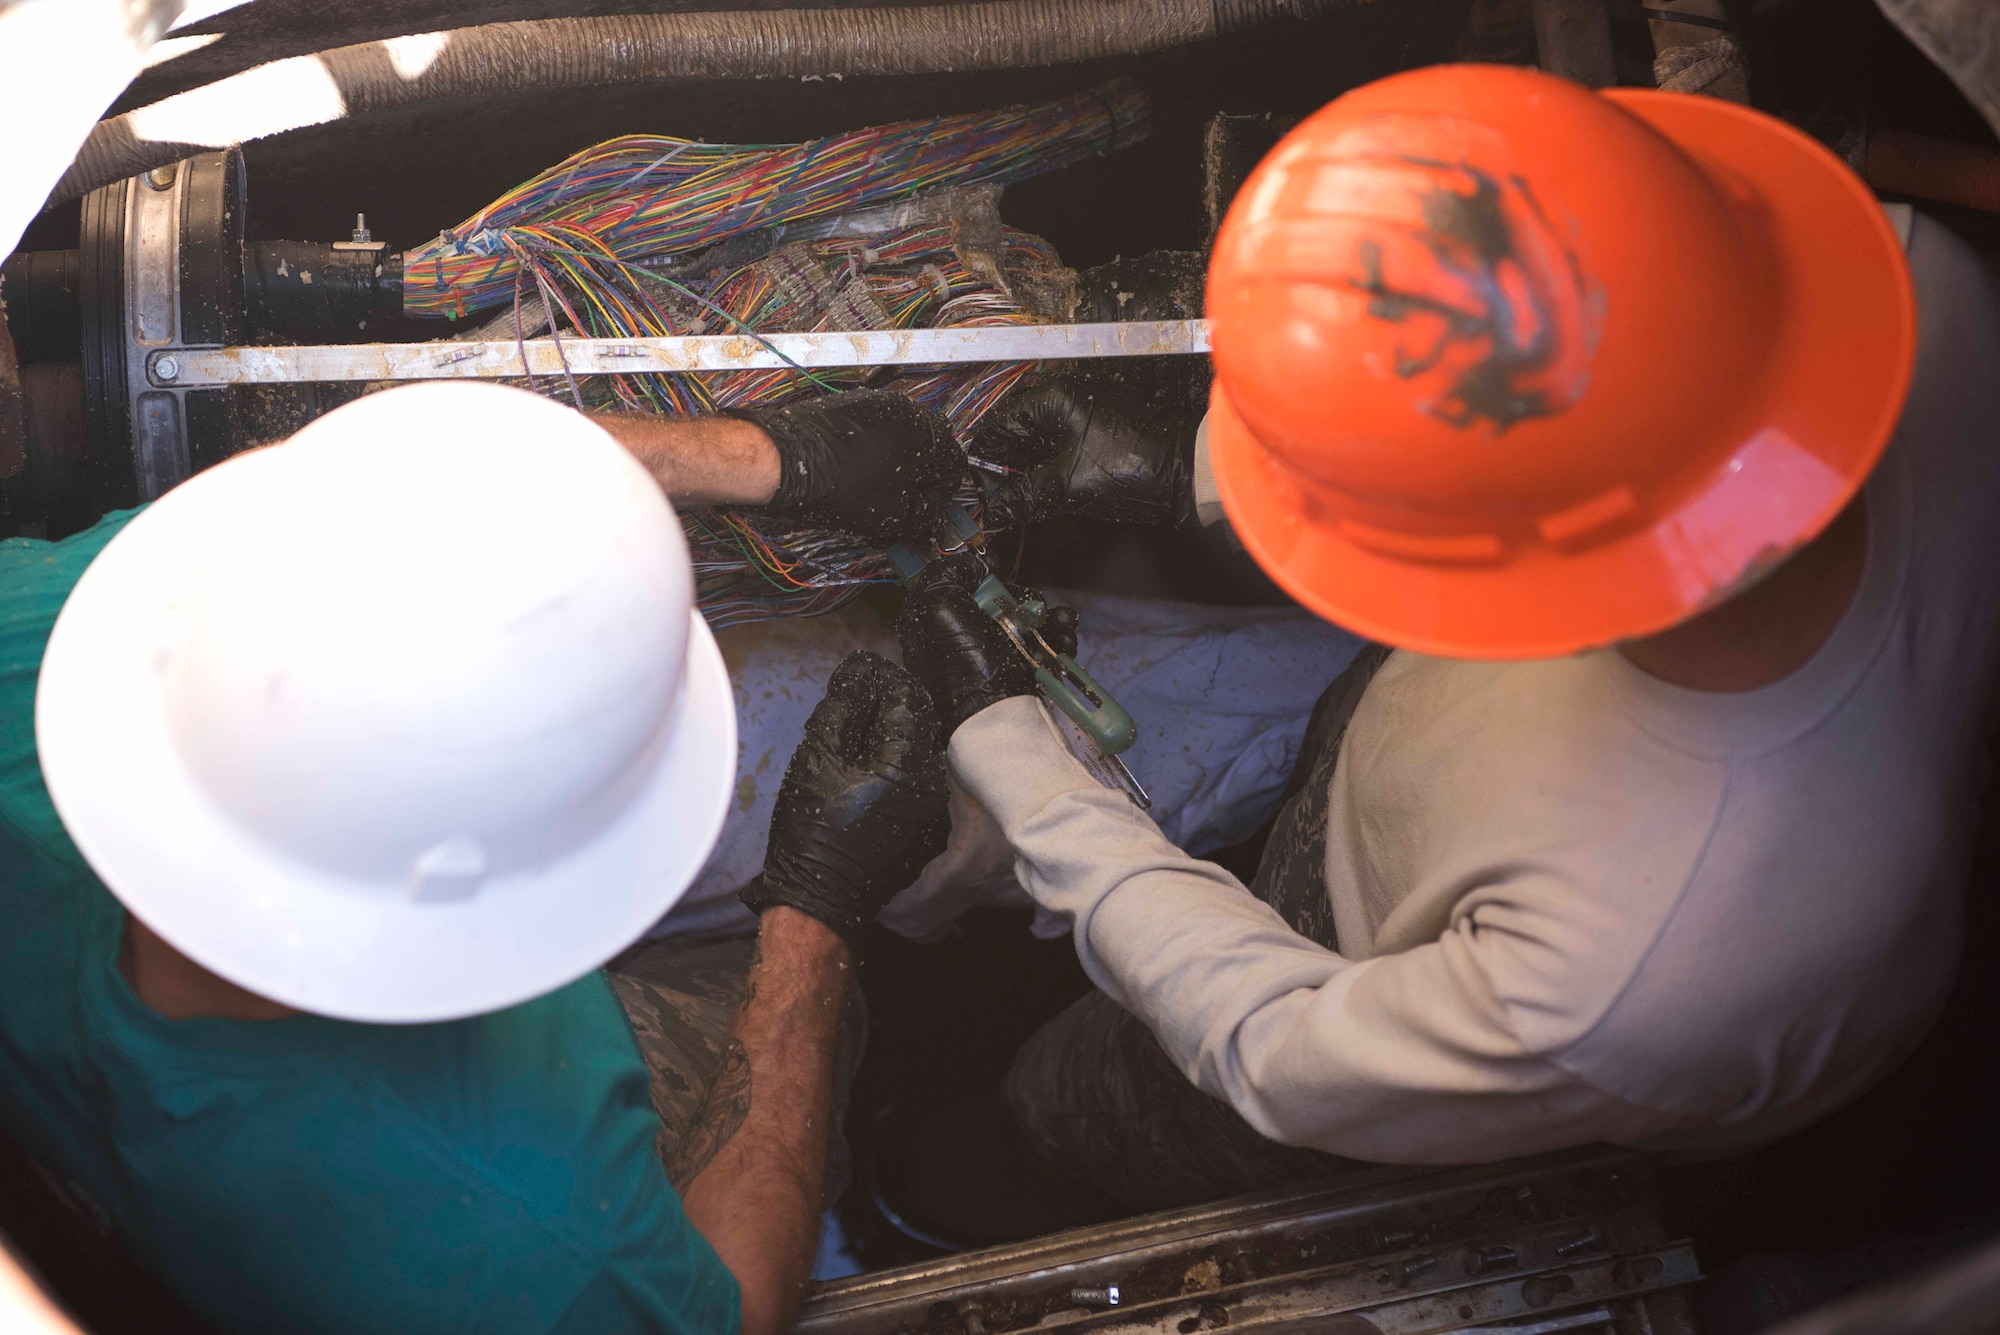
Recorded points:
1575,903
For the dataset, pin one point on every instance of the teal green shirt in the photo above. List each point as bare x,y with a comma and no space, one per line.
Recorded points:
495,1174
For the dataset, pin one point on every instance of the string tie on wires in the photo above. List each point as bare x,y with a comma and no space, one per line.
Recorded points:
660,161
939,283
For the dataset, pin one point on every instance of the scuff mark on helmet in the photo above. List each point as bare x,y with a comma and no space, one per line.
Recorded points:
1492,299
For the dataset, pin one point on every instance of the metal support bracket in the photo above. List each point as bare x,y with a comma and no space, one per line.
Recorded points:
161,272
152,310
186,368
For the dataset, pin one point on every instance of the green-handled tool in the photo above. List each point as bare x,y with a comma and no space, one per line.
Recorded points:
1061,678
1101,720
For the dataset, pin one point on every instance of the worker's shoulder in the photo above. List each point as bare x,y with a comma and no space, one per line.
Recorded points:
545,1108
486,1173
558,1077
35,580
367,1206
1558,725
32,568
1548,823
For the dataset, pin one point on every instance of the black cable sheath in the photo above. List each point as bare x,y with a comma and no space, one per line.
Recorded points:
545,54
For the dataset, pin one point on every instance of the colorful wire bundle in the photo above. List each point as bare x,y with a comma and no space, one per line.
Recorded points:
746,570
582,245
643,196
751,567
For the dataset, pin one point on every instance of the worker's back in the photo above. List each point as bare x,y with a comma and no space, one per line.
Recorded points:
493,1173
1696,916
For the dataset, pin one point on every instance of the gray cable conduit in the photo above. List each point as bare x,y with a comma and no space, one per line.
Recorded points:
547,54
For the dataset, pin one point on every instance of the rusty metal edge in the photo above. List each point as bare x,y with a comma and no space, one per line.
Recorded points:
1350,1197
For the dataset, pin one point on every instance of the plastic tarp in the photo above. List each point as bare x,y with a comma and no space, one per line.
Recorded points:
1221,696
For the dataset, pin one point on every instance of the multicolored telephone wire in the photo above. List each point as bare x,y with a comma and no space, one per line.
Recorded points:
579,249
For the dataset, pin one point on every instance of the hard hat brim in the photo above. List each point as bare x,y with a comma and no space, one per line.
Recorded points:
1818,417
295,933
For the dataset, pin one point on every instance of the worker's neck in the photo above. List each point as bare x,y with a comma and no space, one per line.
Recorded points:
178,988
1771,629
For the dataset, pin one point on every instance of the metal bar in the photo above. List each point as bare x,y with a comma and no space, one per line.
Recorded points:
1388,1299
1472,1307
1389,1220
1596,1316
189,367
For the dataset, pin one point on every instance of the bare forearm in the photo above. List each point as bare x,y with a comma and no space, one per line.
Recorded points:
700,460
752,1171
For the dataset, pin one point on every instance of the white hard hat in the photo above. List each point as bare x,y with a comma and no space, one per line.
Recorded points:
409,718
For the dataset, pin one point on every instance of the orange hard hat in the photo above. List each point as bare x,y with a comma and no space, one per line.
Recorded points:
1505,368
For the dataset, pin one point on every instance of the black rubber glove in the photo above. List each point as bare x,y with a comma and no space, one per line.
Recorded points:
958,651
871,463
862,805
1108,441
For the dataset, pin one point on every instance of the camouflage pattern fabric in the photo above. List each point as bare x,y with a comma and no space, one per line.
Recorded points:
681,995
1291,875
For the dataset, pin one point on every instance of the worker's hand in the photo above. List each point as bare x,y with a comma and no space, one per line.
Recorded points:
863,804
1107,441
871,463
960,652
